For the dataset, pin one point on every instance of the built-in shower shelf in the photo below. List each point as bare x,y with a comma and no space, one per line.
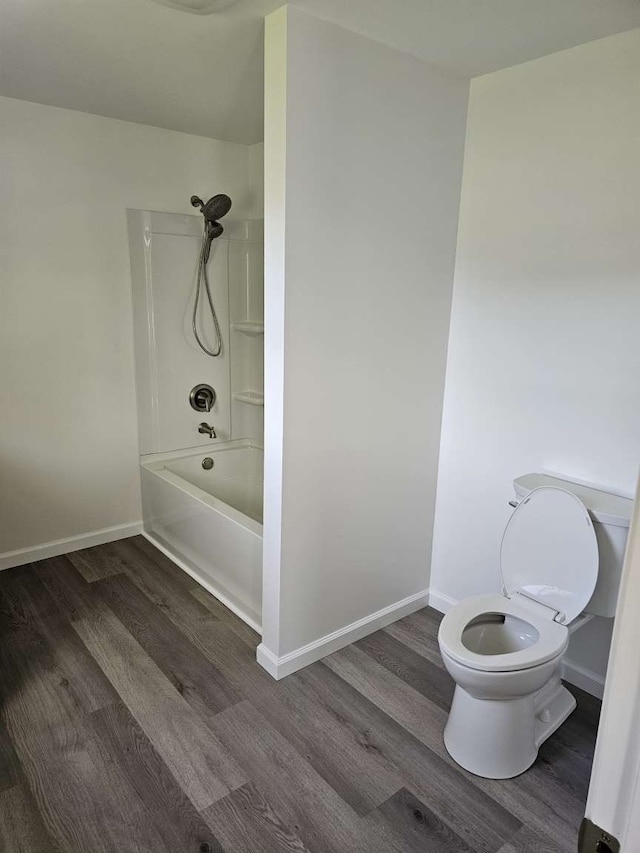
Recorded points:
248,328
253,398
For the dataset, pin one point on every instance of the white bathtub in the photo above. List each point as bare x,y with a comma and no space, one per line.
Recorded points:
210,521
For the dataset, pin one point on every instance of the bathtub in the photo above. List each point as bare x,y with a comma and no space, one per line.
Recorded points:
209,521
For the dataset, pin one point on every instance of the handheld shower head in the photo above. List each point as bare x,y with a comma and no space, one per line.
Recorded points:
212,210
214,229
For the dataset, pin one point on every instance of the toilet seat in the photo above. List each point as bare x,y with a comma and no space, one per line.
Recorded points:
549,567
549,552
552,640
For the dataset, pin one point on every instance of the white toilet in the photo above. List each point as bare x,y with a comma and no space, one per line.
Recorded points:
561,556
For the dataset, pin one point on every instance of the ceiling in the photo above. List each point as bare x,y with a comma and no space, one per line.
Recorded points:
202,74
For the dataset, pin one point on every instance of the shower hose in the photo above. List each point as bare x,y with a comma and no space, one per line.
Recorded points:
203,281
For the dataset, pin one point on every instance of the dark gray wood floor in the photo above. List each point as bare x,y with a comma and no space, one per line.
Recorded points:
134,718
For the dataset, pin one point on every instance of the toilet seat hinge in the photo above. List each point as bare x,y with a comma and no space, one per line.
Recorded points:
539,608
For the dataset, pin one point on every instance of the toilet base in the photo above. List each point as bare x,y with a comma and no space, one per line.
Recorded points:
500,738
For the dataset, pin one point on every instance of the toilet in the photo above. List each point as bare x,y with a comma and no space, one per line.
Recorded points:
560,560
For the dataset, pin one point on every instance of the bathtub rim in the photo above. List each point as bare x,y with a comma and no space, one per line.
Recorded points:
155,463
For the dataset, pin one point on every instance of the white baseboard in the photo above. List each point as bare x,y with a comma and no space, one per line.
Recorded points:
72,543
583,678
268,661
192,570
279,667
439,601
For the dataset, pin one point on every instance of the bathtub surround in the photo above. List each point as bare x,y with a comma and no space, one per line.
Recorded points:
70,470
201,492
544,352
363,154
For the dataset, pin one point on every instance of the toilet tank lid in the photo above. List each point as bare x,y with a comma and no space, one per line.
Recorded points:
603,506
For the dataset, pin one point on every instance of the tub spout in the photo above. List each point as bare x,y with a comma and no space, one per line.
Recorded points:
207,430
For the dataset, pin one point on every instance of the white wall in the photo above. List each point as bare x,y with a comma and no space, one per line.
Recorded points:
363,159
68,444
544,353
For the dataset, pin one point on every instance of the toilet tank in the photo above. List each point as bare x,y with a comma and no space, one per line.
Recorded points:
611,516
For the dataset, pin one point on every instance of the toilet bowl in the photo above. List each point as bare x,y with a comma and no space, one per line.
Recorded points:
504,651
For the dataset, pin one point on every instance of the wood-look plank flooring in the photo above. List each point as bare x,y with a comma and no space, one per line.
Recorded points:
135,718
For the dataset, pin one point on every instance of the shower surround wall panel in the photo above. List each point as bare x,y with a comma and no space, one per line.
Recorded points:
169,363
164,251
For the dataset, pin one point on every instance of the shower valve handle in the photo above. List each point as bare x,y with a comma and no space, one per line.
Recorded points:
204,401
202,398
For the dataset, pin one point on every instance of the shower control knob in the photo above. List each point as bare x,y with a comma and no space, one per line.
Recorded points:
202,398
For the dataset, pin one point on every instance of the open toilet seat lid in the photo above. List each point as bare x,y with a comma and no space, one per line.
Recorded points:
549,552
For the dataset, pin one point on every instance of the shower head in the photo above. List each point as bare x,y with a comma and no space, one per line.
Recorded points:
217,206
